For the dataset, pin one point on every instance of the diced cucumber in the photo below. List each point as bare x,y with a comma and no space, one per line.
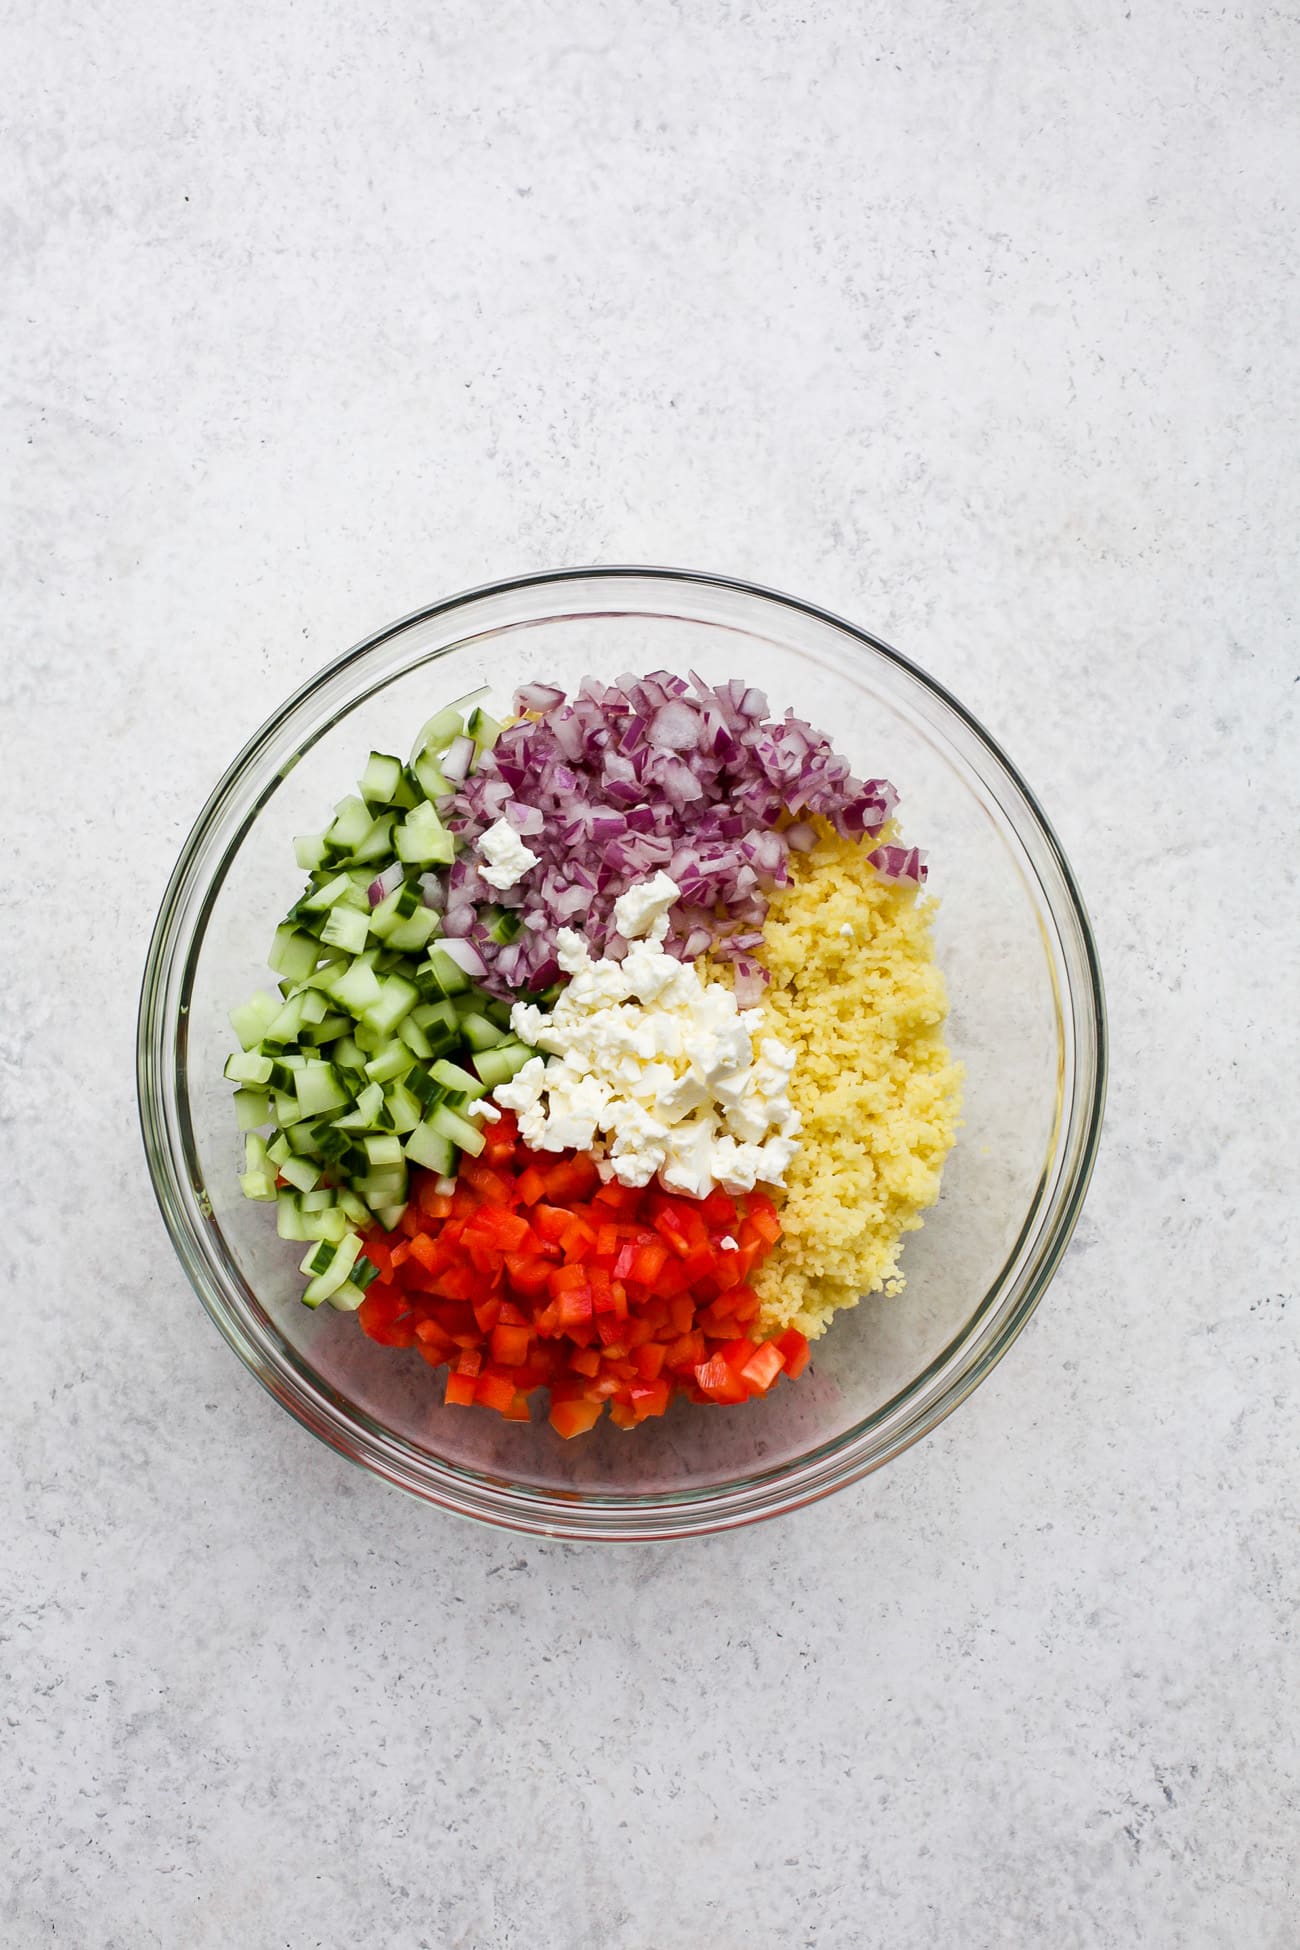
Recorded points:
450,1124
357,989
250,1066
443,726
383,1150
320,1200
284,1025
390,1216
433,1017
430,777
440,976
320,899
396,999
278,1149
394,1059
404,1111
293,953
357,1209
288,1215
504,924
481,1034
328,1224
249,1022
327,1030
347,1053
482,729
351,823
320,1087
382,1190
455,1078
422,840
328,1265
348,1297
346,928
381,779
252,1108
301,1173
377,844
257,1180
431,1148
309,850
289,1113
371,1107
497,1066
415,932
417,1043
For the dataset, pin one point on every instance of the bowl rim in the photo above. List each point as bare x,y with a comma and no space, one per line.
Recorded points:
575,1515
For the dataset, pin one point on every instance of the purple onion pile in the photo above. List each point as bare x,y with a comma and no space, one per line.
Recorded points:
633,777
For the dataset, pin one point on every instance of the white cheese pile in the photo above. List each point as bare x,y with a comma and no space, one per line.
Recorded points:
656,1071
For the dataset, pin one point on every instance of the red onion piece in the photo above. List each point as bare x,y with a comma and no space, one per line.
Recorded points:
457,759
386,883
903,865
466,956
538,697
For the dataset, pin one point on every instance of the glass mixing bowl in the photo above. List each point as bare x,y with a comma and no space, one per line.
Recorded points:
1026,1021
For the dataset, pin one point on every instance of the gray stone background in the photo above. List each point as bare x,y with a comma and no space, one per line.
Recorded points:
974,323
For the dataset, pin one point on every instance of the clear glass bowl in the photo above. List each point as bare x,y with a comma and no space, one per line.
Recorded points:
1026,1020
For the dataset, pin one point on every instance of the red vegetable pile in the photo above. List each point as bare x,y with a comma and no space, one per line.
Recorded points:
532,1274
638,776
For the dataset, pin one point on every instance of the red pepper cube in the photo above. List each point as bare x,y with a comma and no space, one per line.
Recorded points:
575,1306
795,1351
510,1345
585,1360
530,1185
719,1381
574,1418
650,1398
762,1367
494,1391
460,1390
649,1360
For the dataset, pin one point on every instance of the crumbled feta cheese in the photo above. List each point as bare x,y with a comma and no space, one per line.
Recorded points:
507,857
644,909
655,1071
728,1244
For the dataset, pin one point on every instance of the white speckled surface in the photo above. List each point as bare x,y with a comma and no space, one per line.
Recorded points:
976,323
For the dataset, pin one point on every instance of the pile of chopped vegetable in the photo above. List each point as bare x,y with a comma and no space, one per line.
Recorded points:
637,776
533,1274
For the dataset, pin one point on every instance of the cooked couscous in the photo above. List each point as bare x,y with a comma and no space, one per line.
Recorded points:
856,993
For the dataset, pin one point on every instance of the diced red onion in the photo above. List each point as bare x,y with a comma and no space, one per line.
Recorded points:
434,889
619,780
386,883
538,697
903,865
457,759
466,957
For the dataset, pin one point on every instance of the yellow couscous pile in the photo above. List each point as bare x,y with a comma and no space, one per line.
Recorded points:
856,993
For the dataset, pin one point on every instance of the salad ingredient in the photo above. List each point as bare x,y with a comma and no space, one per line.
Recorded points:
349,1063
507,857
631,777
657,1071
529,1273
874,1083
